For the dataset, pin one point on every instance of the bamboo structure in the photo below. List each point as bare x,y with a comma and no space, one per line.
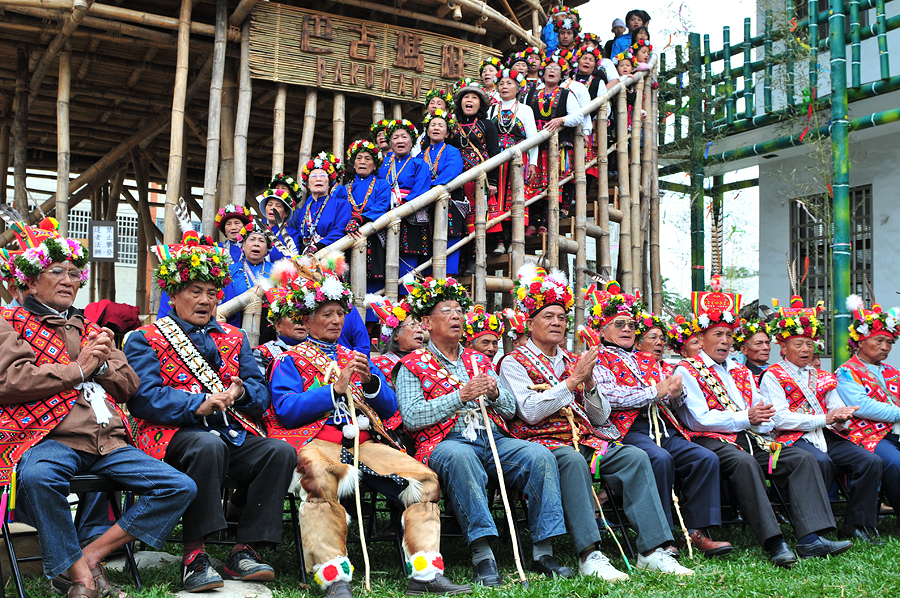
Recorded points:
242,121
441,224
479,288
634,186
62,139
176,142
517,247
625,274
578,157
553,190
309,127
278,129
21,129
79,10
338,126
603,258
211,171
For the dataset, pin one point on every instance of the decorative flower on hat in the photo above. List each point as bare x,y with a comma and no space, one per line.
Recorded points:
640,44
279,194
867,323
593,51
424,295
281,297
593,300
518,322
820,347
479,323
516,57
563,60
446,115
196,259
646,321
680,333
401,125
234,211
559,10
326,161
716,307
572,21
492,61
288,180
363,145
320,281
534,289
39,247
513,74
745,331
533,50
390,314
380,126
444,94
615,304
470,85
795,320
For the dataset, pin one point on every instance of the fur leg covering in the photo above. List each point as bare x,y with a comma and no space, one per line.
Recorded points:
323,525
337,569
421,528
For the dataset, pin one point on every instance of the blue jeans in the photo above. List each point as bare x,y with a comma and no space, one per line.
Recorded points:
43,486
465,467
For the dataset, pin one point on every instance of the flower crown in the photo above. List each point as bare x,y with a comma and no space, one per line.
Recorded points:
796,320
401,125
533,50
618,304
493,61
648,320
641,43
586,38
287,180
513,74
516,57
390,314
557,59
446,95
534,289
279,194
234,211
41,246
559,10
867,323
196,259
744,331
479,323
446,115
379,126
326,161
820,347
572,22
621,56
281,297
364,145
595,52
518,322
424,295
319,281
680,332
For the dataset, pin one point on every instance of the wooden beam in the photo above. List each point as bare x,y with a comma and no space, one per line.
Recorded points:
79,10
278,124
241,12
400,12
21,129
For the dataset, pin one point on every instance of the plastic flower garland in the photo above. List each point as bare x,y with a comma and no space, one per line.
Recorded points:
595,52
25,267
646,321
444,94
363,145
589,38
641,43
680,332
319,282
493,61
279,194
179,265
559,10
616,304
533,50
788,326
287,180
326,161
535,289
513,74
281,299
626,55
401,125
378,126
234,211
446,115
572,21
558,59
390,315
867,323
479,323
518,323
423,296
745,331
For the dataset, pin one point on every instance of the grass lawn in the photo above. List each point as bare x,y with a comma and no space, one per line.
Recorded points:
863,571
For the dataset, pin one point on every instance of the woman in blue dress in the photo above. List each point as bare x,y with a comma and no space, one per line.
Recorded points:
370,198
233,221
324,217
446,163
248,271
277,205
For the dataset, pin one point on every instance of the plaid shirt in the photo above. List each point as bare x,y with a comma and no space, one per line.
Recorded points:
419,413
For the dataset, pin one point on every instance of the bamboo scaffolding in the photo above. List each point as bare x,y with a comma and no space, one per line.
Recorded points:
480,291
309,129
226,169
580,225
214,127
392,260
418,16
625,256
62,139
517,247
176,143
647,148
242,121
79,10
603,257
20,127
441,224
485,12
241,12
278,125
358,275
4,157
338,122
634,186
398,110
553,190
655,272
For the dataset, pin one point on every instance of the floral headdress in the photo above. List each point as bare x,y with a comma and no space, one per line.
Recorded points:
589,38
325,161
444,94
641,43
38,248
493,61
716,308
648,320
867,323
234,211
595,52
559,10
534,289
195,259
593,299
615,304
572,21
279,194
680,333
444,114
820,347
565,63
363,145
626,55
390,314
380,126
745,331
281,298
479,323
515,75
516,57
470,85
424,295
319,281
518,323
533,50
398,125
795,320
288,180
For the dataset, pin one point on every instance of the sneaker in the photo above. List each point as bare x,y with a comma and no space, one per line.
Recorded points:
198,575
245,565
598,565
659,560
500,249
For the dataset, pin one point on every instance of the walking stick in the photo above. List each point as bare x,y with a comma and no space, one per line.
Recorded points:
334,369
509,516
654,425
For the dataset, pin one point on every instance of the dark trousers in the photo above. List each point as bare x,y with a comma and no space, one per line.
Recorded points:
265,466
695,466
796,470
889,451
865,475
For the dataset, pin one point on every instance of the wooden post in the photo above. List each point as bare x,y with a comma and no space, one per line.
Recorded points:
634,187
20,155
517,246
337,142
358,275
62,140
603,256
624,275
392,261
242,121
441,224
4,158
398,111
142,179
377,110
226,171
646,174
480,287
309,129
553,201
252,320
214,123
580,223
536,24
655,273
176,141
278,129
108,284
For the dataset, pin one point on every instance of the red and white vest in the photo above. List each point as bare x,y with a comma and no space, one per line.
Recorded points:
743,379
864,432
386,363
825,382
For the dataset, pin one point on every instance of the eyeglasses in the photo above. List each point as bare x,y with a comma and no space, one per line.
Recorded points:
652,337
413,324
450,310
629,324
60,272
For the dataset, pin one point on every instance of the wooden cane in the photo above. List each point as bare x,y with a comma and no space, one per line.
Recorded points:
654,425
334,369
509,516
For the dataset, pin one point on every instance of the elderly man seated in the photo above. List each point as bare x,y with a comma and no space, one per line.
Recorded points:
60,380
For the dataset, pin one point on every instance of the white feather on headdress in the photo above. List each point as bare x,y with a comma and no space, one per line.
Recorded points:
373,299
854,302
527,271
558,276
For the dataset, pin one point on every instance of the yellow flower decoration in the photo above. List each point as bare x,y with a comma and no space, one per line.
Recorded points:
492,322
400,313
522,292
163,270
215,259
195,260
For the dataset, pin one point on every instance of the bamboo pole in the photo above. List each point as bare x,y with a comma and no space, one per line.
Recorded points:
881,26
398,111
309,130
417,16
79,10
358,276
145,226
634,186
278,128
580,224
241,12
655,272
226,170
485,12
20,125
392,261
517,247
535,24
553,190
62,140
748,77
242,121
647,147
214,126
855,43
767,75
340,119
603,258
176,142
441,224
377,110
252,321
698,275
480,290
625,255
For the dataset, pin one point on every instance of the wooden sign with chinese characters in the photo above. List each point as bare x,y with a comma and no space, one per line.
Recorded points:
305,47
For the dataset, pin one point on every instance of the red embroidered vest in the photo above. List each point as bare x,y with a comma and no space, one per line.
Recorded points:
743,379
311,363
22,425
386,364
864,432
435,383
154,438
825,382
555,431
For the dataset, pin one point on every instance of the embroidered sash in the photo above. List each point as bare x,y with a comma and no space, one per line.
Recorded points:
808,399
868,433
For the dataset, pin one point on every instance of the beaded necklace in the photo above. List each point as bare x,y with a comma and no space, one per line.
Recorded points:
392,172
465,134
358,209
310,226
433,166
554,100
506,119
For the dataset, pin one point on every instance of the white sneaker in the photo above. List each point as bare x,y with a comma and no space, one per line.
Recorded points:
597,564
500,249
663,562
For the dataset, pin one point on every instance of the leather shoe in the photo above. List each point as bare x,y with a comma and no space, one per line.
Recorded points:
439,585
486,573
823,547
339,589
548,566
862,535
781,555
708,546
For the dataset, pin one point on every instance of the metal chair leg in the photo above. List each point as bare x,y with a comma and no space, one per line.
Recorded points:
13,563
129,548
